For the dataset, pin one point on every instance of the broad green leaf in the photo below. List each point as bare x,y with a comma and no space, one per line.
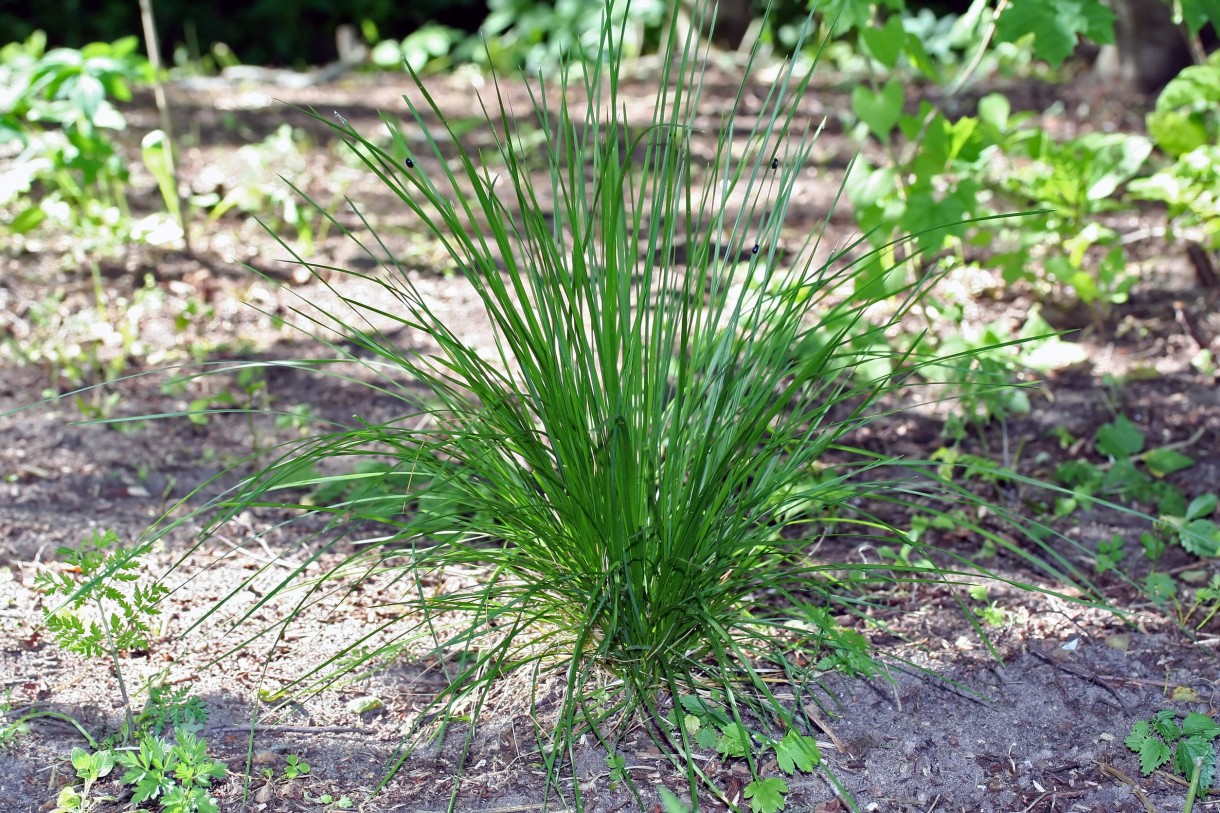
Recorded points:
1196,748
81,759
1201,507
1193,88
1200,725
920,59
1056,25
365,704
1198,13
1176,132
706,737
1165,723
884,44
1120,439
767,795
994,110
1114,158
1153,754
880,110
1163,462
797,752
28,219
1201,537
1160,587
1187,114
734,741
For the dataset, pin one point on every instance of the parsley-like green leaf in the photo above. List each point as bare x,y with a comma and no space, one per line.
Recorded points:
767,795
797,752
734,740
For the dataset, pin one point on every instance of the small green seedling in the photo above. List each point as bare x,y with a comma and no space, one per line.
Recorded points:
295,767
1133,473
1193,529
89,768
331,803
710,727
104,608
1109,554
991,613
175,774
1161,740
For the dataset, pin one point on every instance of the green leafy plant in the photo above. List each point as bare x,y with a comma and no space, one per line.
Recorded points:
1187,595
105,610
620,467
57,109
1075,181
10,731
89,348
989,369
938,168
991,613
295,767
89,768
1186,747
1133,473
331,803
1185,116
1194,529
713,728
1110,553
1186,126
543,36
176,775
425,50
171,707
254,186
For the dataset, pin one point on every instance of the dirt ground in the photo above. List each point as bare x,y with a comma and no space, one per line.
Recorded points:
950,727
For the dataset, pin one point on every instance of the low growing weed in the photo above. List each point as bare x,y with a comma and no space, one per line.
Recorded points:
89,767
1132,472
174,775
252,186
58,110
1186,126
617,471
1187,747
103,609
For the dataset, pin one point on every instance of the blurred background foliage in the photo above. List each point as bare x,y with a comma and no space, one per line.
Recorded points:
297,33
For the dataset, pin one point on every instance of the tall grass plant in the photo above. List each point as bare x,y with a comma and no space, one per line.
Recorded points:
608,491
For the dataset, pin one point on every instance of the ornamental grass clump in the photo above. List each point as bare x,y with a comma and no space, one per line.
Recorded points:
670,371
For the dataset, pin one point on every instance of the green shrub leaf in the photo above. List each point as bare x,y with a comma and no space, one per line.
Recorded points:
1056,25
881,109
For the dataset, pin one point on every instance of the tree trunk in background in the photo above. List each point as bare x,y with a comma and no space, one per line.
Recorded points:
733,18
1149,49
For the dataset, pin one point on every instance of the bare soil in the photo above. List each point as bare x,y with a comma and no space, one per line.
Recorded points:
1035,726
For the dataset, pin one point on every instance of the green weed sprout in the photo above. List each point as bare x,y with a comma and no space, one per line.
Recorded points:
122,607
671,373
